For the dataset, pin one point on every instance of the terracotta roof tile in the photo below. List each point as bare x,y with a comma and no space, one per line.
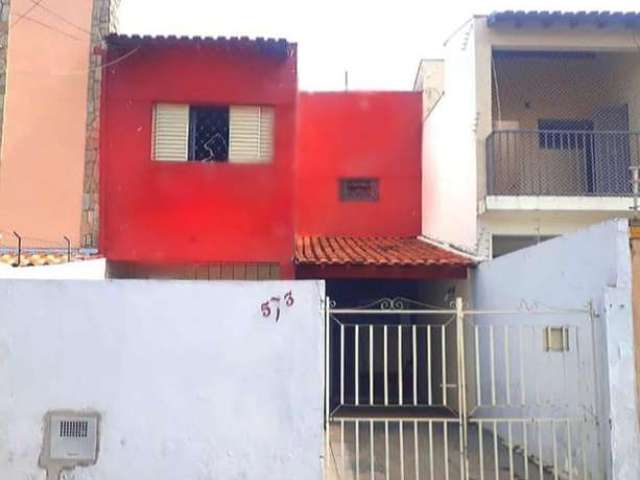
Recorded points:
374,251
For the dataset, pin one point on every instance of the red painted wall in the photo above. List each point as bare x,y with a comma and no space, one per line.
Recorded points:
160,212
359,134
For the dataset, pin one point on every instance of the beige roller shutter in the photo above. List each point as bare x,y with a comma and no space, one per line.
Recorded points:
266,133
250,134
170,131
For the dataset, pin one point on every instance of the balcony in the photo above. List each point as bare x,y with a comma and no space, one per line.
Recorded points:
561,163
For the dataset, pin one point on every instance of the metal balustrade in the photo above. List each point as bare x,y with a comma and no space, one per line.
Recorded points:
561,162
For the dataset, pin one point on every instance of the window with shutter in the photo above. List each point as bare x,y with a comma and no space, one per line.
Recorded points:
170,132
236,133
250,134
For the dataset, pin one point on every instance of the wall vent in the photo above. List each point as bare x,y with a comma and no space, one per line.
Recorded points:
74,428
359,190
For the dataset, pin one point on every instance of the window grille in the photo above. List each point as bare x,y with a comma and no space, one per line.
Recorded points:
222,133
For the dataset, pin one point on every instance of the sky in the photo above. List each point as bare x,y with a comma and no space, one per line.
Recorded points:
379,43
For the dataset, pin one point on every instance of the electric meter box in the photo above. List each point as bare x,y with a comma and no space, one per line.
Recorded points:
73,438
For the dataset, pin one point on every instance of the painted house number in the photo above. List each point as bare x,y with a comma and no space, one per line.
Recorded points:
272,306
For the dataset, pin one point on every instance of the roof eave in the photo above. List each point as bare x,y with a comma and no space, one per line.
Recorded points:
544,19
279,47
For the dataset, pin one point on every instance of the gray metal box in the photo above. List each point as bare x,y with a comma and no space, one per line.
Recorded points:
73,437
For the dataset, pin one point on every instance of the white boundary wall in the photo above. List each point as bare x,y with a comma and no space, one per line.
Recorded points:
590,266
190,379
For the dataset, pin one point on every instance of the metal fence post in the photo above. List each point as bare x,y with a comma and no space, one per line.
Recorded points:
327,334
462,387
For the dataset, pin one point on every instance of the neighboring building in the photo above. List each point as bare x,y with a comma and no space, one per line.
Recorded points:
49,110
535,127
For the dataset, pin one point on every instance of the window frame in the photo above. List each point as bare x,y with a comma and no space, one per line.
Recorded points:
220,163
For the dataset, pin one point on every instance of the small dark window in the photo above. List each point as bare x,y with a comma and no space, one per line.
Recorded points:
564,134
359,190
504,244
209,134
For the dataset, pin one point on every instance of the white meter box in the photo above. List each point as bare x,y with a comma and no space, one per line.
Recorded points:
73,437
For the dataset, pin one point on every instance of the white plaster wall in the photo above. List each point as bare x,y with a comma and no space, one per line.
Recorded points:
448,151
591,265
192,382
84,270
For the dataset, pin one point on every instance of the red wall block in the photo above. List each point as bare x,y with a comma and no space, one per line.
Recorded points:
358,134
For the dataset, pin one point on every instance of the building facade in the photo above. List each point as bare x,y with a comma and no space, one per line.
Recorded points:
49,113
198,167
224,173
545,133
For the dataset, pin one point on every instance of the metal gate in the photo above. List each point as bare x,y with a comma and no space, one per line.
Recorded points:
417,392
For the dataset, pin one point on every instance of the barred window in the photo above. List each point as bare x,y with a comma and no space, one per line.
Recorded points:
217,133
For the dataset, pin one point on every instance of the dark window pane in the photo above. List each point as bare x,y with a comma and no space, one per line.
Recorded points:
209,134
504,244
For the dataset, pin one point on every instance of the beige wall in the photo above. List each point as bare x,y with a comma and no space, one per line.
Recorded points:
534,88
430,81
634,238
624,73
43,144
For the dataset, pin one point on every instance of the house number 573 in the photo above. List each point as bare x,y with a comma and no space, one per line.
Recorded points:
272,306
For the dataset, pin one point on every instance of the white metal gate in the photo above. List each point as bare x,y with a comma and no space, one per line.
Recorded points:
420,392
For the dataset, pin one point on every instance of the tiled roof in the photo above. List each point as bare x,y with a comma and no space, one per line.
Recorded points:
273,46
375,251
598,18
40,258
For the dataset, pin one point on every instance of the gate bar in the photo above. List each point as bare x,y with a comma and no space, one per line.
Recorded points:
409,311
443,344
429,383
342,364
372,461
357,364
386,364
327,385
371,386
462,389
400,364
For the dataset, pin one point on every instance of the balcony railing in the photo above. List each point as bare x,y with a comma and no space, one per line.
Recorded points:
561,162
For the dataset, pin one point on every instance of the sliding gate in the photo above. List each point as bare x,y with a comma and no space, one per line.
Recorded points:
417,392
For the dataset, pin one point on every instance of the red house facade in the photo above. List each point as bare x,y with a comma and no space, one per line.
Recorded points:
214,166
179,212
359,140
